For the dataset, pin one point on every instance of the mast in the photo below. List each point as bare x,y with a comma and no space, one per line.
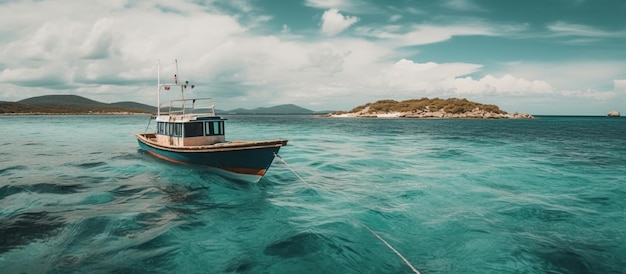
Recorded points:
182,88
159,88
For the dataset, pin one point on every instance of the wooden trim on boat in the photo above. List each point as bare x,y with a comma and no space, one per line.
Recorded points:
227,146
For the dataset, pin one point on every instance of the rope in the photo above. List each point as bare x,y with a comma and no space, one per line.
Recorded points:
148,124
366,227
392,249
291,169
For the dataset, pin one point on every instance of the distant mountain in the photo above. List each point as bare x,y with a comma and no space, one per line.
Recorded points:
59,104
134,105
62,100
281,109
71,104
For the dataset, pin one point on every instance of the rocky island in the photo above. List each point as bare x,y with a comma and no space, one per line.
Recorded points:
613,113
430,108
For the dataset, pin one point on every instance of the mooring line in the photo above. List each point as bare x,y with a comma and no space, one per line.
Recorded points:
148,124
291,169
392,248
366,227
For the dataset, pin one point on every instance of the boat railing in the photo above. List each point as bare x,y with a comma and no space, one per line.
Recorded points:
197,106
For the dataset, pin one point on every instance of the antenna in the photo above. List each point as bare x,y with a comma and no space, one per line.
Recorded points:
158,88
182,88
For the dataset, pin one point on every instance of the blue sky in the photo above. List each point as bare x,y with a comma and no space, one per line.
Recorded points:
538,57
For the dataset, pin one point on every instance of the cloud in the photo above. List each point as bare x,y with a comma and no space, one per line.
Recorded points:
506,84
447,79
112,47
395,18
561,28
54,77
334,22
55,40
569,75
462,5
421,34
327,4
594,94
619,85
352,6
99,42
327,60
426,34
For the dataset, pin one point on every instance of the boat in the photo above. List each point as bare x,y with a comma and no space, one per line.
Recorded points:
189,132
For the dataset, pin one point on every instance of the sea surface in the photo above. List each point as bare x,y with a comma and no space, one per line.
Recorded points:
546,195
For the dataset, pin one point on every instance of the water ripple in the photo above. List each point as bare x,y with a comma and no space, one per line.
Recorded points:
517,196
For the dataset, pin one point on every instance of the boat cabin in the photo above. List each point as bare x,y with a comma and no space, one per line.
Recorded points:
200,131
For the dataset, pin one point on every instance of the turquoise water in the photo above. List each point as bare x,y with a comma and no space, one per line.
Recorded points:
452,196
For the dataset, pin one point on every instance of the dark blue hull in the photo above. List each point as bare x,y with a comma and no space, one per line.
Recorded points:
251,159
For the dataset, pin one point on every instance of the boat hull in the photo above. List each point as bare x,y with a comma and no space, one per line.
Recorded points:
241,160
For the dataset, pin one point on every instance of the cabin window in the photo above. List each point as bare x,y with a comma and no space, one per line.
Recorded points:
218,128
214,128
160,128
178,130
193,129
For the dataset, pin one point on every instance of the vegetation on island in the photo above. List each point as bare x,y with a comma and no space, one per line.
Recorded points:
429,108
450,105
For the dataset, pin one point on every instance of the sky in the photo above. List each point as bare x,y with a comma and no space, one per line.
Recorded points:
543,57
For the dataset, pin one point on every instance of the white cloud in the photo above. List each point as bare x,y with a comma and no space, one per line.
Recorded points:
619,85
422,34
506,84
334,22
409,75
327,4
426,34
98,44
594,94
561,28
446,79
352,6
572,75
48,76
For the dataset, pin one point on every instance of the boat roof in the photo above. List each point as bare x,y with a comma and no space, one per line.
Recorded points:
187,118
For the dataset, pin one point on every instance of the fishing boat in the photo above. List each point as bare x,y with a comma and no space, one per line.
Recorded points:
189,132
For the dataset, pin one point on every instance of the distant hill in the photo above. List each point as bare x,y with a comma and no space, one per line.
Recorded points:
73,104
61,100
134,105
59,104
280,109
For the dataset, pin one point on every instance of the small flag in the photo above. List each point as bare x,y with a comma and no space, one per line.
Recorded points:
167,87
